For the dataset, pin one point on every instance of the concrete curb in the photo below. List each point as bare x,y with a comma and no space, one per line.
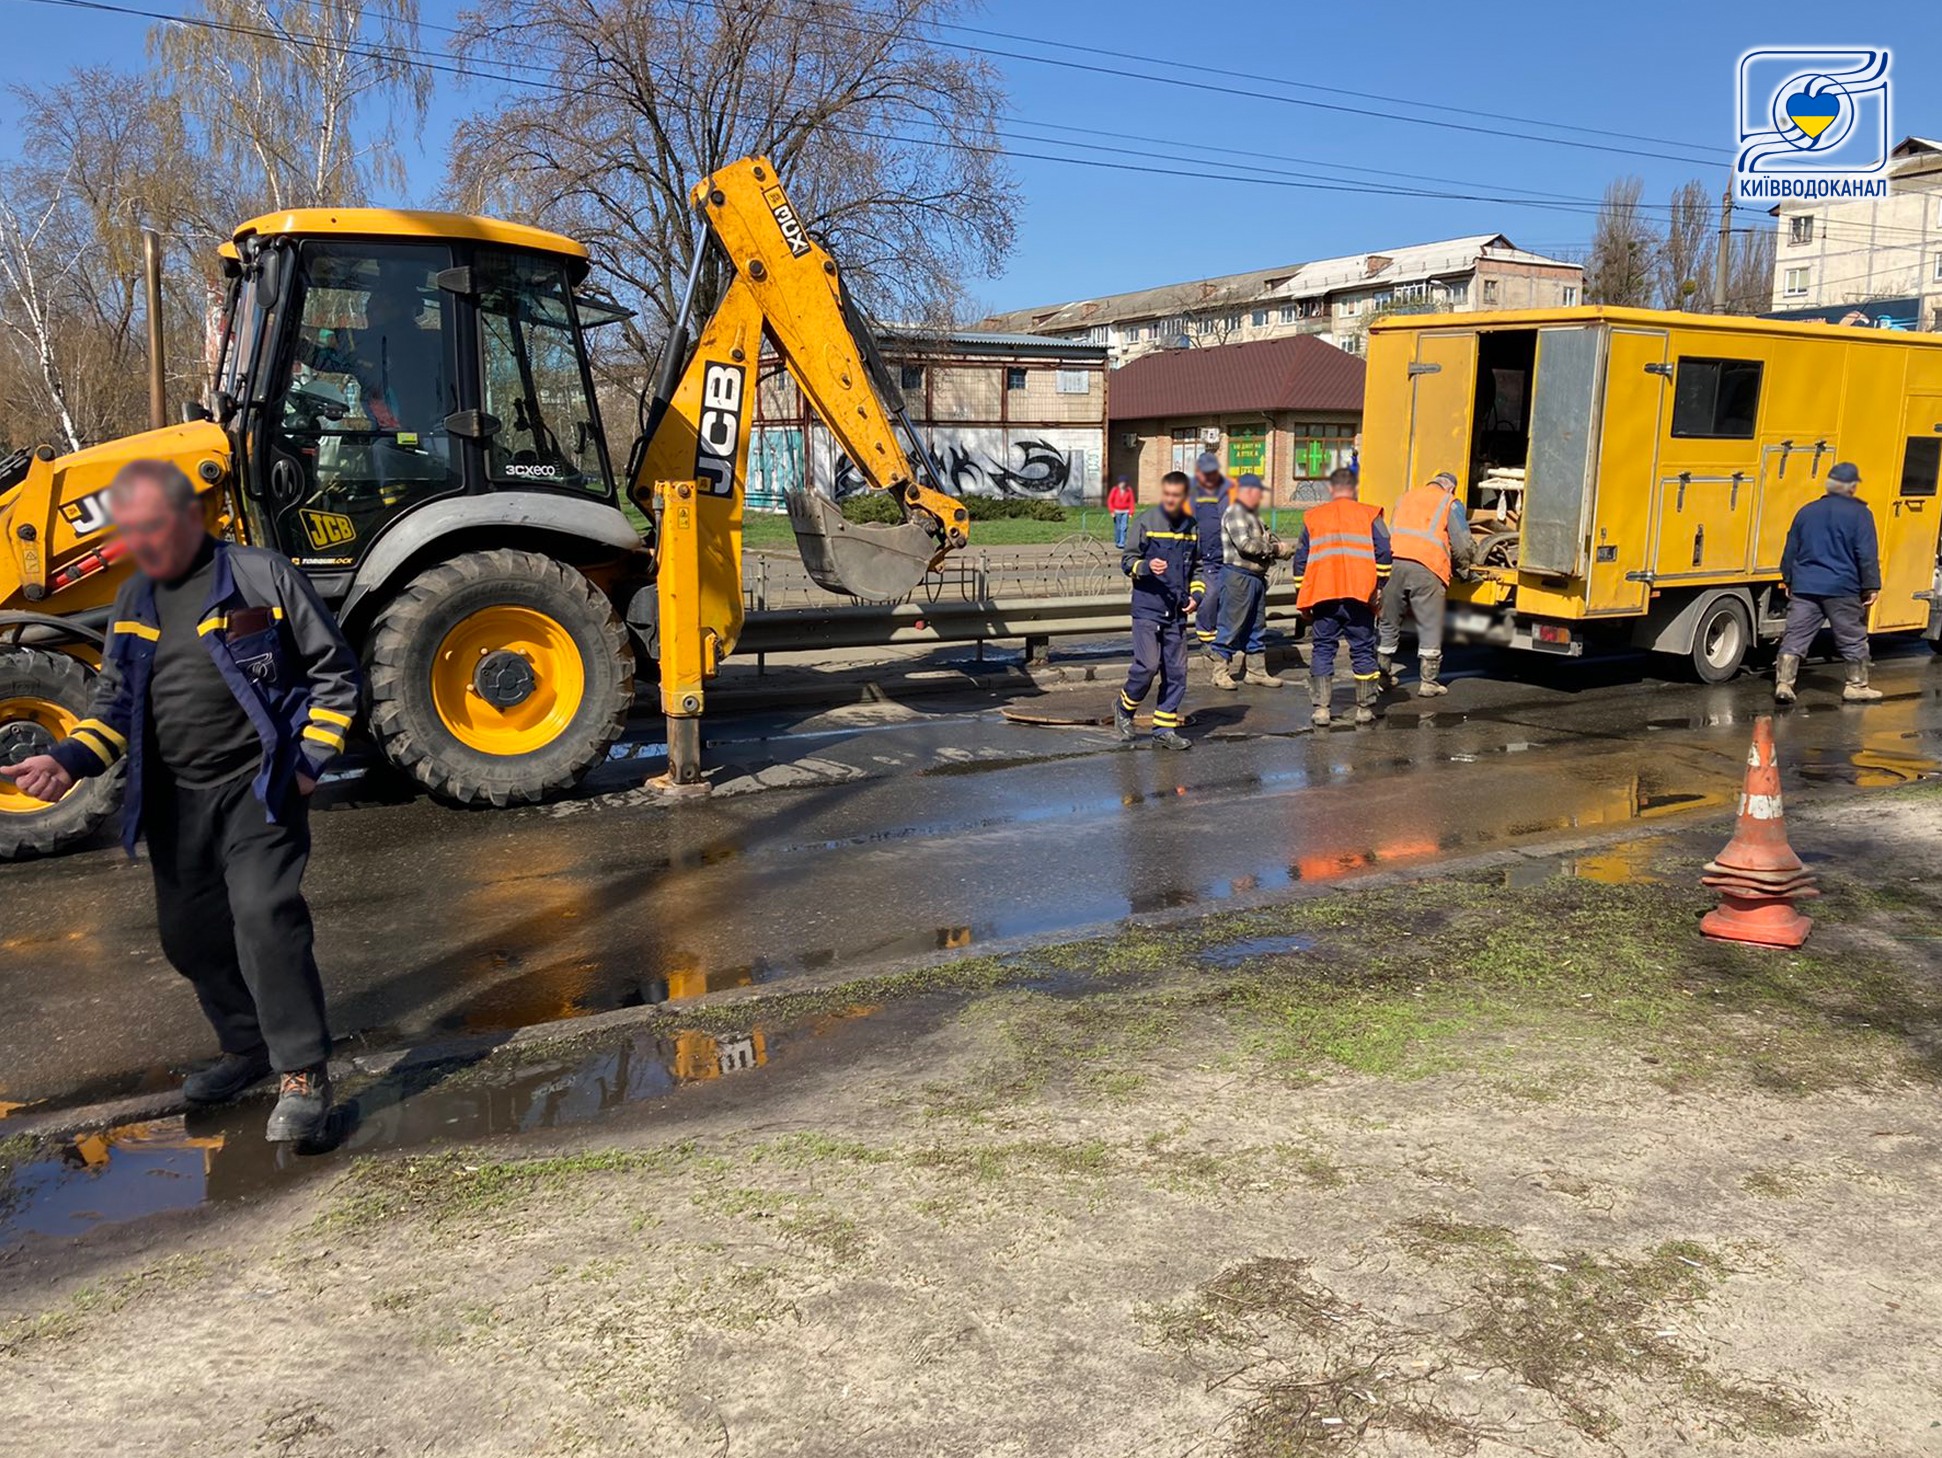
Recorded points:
62,1123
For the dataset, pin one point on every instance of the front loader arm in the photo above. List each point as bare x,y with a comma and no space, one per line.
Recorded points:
690,474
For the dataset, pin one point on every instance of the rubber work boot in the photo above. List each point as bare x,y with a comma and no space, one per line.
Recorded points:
1785,671
1386,665
302,1109
1123,720
226,1078
1857,690
1431,665
1257,671
1320,691
1224,675
1169,739
1366,690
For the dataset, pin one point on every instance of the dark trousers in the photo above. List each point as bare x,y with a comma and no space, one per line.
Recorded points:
1844,615
1159,649
1343,618
1207,620
1419,592
1243,614
229,902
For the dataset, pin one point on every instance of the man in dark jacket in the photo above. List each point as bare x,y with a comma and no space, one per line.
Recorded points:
1160,557
1832,572
228,688
1211,493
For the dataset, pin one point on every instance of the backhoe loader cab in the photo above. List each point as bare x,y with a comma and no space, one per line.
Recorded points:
402,403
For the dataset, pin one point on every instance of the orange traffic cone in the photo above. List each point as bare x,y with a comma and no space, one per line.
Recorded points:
1758,875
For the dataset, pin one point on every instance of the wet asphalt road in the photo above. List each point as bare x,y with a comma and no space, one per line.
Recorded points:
883,831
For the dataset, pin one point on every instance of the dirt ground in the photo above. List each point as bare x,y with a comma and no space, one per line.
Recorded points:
1477,1164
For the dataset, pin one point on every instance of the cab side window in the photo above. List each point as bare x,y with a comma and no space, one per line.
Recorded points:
548,432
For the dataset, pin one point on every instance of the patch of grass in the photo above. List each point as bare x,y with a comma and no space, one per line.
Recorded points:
444,1188
92,1302
988,1163
1781,1182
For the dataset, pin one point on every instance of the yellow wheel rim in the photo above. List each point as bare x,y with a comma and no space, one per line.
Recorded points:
47,715
507,680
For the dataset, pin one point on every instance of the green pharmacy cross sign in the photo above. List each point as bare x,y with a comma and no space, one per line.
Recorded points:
1313,459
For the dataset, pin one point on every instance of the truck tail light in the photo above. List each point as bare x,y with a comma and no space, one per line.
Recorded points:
1550,633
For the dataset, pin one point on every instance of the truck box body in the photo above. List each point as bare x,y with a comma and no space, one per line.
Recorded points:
1663,456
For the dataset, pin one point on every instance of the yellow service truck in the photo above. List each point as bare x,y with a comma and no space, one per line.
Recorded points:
1631,474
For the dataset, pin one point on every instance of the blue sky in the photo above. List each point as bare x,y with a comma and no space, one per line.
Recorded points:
1647,70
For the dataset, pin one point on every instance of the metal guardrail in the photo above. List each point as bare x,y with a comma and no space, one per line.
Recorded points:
1031,620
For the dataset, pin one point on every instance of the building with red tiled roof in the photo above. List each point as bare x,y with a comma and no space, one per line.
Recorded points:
1287,409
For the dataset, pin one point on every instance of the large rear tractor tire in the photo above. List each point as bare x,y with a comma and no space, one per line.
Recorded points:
499,676
42,697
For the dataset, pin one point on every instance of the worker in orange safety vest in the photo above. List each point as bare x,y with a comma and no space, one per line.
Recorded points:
1340,565
1431,539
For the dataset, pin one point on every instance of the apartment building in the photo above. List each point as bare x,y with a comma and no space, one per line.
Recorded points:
1335,298
1875,261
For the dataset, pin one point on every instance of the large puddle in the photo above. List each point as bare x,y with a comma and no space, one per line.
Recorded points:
136,1170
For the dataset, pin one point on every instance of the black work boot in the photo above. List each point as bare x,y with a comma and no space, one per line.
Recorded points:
1785,672
1366,692
1123,720
1169,739
302,1109
226,1078
1320,691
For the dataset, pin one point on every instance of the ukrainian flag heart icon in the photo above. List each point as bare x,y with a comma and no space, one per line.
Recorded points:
1813,114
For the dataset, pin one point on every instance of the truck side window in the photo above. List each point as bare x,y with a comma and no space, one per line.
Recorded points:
1716,399
1921,466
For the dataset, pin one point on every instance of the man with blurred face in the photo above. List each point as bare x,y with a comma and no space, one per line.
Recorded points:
1160,557
227,687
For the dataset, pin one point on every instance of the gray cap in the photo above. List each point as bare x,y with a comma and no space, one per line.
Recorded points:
1248,478
1444,478
1846,472
1208,462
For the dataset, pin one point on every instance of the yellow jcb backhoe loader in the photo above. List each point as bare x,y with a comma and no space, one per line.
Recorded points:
403,404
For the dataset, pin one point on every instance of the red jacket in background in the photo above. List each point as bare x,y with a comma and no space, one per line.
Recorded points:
1121,498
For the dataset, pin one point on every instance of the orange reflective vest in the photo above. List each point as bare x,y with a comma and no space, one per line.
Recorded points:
1420,531
1340,555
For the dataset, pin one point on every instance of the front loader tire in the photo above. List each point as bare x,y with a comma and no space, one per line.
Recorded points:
499,676
42,696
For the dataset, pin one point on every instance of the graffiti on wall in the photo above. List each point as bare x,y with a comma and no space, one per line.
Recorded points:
775,465
1035,464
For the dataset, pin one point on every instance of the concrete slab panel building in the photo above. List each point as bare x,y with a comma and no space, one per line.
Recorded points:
1858,256
1335,298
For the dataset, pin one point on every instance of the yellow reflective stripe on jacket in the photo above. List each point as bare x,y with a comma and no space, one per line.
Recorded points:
94,745
324,736
211,625
1173,536
104,731
136,630
330,716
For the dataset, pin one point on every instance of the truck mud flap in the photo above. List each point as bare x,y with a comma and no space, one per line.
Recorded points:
874,563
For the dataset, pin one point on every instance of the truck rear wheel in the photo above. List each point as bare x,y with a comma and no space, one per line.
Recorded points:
501,676
42,697
1721,640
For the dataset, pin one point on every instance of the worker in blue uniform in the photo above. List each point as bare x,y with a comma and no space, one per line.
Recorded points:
1161,556
1211,494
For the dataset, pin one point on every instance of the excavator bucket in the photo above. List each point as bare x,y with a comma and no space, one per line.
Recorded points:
875,563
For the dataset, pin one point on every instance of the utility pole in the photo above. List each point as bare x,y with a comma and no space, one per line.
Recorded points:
1724,259
158,406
